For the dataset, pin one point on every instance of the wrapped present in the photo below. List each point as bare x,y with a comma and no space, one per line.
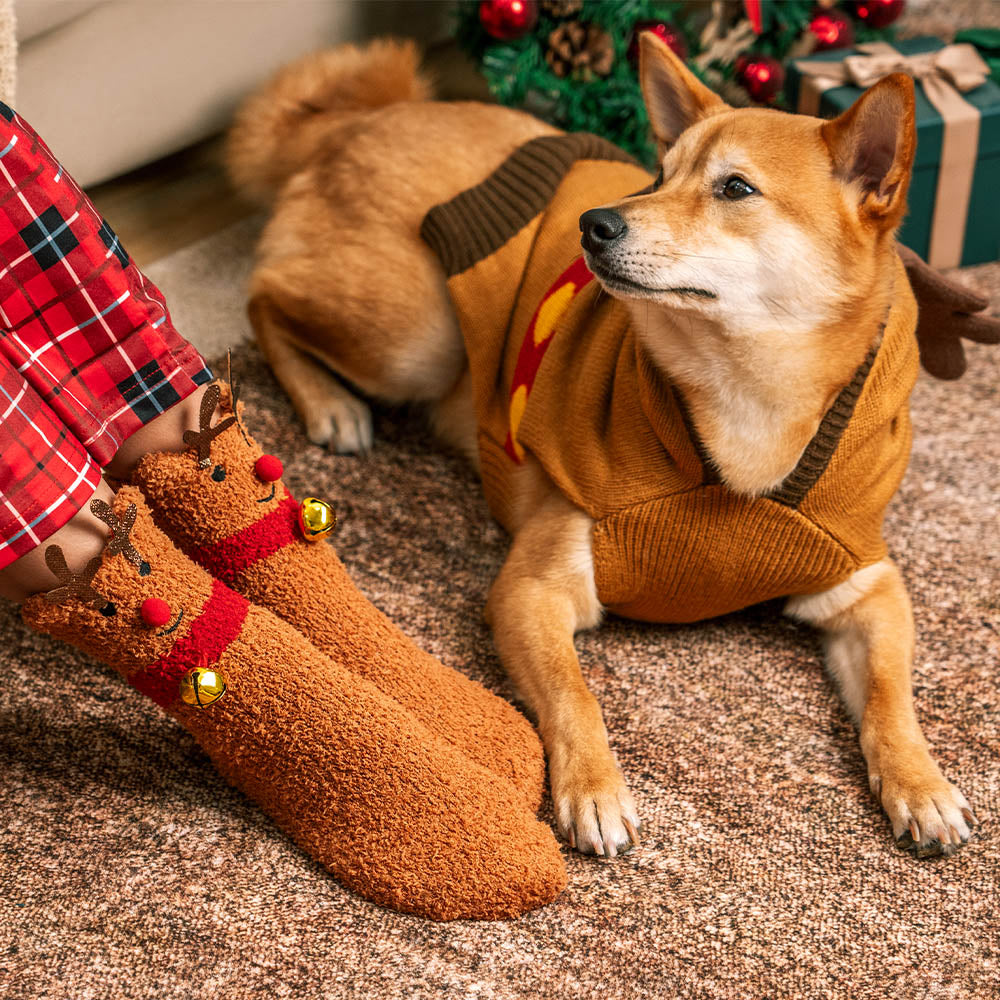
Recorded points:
954,215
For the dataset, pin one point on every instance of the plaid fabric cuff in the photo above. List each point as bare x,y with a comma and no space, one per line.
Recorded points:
83,325
46,475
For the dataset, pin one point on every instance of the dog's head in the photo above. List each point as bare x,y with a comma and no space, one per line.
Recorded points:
759,221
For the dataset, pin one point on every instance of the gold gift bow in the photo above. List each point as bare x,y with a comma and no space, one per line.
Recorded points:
943,74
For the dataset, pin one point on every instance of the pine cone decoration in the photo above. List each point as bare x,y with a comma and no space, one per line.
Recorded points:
562,8
580,50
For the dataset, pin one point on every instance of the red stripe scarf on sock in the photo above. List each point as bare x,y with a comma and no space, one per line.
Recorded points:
218,623
227,558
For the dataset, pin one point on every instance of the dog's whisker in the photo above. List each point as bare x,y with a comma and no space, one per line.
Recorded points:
696,256
777,304
768,302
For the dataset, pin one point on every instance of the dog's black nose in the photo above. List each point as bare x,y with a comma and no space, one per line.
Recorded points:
601,227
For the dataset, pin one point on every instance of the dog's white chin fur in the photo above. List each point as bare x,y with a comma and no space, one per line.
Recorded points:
743,349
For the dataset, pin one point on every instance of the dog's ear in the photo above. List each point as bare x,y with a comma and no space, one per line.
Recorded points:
872,145
675,98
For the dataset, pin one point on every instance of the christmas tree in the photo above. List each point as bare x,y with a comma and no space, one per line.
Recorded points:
573,62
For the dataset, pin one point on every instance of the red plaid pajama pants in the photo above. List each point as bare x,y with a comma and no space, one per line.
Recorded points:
88,354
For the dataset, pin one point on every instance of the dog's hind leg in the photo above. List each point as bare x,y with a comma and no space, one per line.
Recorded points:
868,627
545,593
332,414
366,304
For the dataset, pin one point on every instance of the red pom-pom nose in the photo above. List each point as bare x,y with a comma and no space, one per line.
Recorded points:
269,468
155,612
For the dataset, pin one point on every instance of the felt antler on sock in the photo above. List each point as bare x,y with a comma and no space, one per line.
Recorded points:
119,541
73,586
202,438
948,314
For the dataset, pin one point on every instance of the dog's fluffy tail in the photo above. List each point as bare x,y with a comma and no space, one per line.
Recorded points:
279,129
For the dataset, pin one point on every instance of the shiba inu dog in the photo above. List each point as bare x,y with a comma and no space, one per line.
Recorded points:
708,409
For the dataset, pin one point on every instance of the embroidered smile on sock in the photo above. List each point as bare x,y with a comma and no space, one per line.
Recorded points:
223,503
394,812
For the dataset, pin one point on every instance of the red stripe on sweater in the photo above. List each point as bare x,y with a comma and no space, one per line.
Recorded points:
529,357
210,634
227,558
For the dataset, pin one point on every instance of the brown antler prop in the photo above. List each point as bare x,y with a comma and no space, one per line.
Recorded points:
74,586
119,540
948,313
202,438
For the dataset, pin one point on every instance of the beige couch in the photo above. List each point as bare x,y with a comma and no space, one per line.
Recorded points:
113,85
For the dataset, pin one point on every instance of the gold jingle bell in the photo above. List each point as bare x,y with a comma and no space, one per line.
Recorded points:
202,686
317,519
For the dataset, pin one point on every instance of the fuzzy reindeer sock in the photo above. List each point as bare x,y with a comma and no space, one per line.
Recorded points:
395,813
223,503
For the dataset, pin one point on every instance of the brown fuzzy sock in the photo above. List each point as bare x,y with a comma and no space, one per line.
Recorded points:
395,813
223,504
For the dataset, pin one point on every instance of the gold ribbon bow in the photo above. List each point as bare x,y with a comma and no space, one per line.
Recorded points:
944,75
955,67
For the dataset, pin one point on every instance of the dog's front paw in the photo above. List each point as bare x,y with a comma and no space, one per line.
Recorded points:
594,809
929,815
343,424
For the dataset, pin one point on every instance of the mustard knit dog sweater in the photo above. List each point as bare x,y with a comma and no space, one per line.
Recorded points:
558,371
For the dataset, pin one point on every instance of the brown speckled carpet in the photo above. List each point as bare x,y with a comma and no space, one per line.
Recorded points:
129,869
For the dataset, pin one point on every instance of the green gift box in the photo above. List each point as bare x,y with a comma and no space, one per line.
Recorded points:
954,213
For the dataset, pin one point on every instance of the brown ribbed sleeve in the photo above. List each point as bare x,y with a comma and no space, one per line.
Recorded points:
477,222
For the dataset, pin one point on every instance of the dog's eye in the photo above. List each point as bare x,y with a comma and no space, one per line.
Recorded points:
736,188
218,473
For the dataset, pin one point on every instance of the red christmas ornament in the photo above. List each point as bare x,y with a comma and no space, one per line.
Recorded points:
667,32
878,13
508,19
268,468
154,612
833,30
761,76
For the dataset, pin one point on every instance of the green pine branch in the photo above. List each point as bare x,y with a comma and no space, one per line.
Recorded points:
611,106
